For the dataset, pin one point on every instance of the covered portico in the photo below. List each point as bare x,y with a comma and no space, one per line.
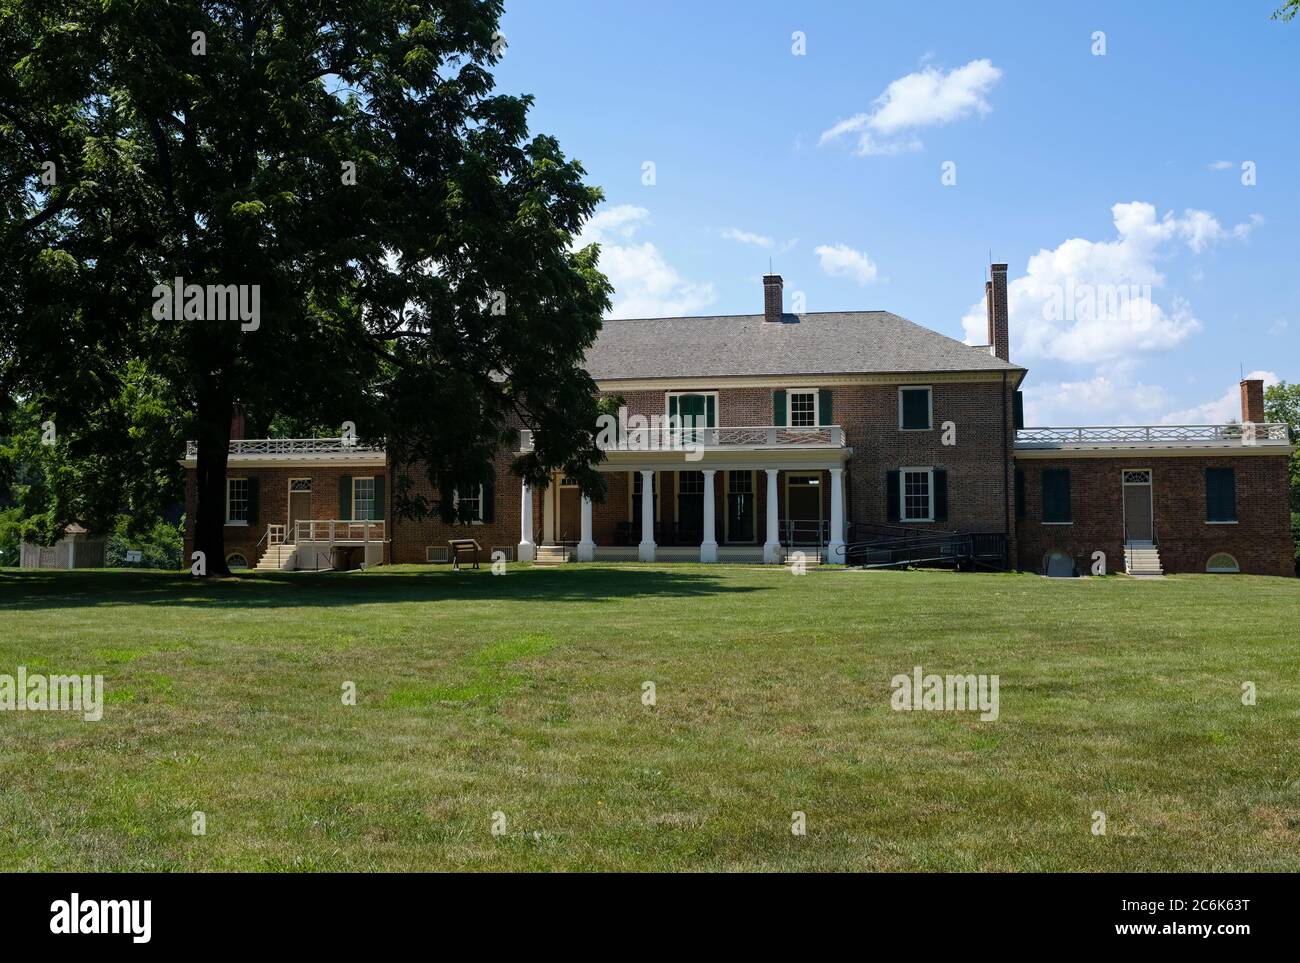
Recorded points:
751,477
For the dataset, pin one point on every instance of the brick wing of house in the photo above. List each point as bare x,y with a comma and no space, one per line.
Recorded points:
853,436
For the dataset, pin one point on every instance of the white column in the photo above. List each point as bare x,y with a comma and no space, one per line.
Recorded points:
549,498
709,546
526,551
646,550
586,547
772,547
835,548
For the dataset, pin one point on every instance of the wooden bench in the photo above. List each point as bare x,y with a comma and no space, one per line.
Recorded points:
459,545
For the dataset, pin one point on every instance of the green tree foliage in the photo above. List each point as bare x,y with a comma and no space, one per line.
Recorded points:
409,240
1282,404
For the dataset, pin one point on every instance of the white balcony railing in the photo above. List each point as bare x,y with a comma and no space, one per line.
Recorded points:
758,436
294,446
337,530
1247,434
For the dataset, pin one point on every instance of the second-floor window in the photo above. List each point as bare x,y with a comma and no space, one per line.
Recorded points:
914,408
803,409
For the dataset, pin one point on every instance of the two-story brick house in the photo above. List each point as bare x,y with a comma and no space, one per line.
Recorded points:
857,435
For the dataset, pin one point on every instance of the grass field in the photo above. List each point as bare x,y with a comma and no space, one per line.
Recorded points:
522,695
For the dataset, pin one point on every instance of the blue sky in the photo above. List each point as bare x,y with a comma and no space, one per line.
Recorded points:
1081,171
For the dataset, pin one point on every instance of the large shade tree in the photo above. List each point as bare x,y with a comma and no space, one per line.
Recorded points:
408,239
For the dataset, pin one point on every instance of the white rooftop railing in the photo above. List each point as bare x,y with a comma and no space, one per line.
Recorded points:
294,446
1247,434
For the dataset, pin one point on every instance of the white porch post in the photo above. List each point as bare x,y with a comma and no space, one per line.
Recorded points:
772,547
646,550
835,547
586,547
549,496
526,551
709,546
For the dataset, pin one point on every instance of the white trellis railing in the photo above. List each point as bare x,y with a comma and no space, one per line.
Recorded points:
294,446
756,436
1247,434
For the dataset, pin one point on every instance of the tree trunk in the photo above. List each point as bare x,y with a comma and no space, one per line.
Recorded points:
210,483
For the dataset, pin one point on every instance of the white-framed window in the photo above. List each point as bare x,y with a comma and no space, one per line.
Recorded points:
236,501
1222,563
916,494
236,560
915,407
363,499
474,501
802,405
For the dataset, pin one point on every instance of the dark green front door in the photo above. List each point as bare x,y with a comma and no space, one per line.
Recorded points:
740,506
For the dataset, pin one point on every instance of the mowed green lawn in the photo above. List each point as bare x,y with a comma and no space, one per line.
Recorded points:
522,695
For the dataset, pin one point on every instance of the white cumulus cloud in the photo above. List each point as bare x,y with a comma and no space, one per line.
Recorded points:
926,98
645,284
747,237
1220,410
1089,302
840,260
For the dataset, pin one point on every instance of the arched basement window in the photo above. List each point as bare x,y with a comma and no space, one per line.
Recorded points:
234,560
1058,564
1223,563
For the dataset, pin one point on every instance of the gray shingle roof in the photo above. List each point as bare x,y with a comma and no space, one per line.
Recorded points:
831,342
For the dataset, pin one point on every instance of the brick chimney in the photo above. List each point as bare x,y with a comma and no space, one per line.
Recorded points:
236,422
995,301
773,302
1252,401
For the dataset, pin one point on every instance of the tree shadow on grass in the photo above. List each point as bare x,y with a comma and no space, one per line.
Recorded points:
25,590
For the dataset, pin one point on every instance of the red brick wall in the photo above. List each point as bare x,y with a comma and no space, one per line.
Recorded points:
273,498
1260,541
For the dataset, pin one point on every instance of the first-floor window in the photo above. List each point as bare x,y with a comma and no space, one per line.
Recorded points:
1056,495
237,501
1220,495
470,504
917,495
363,499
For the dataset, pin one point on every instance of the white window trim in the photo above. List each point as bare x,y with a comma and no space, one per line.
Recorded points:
717,405
789,405
473,521
230,522
361,478
902,494
929,390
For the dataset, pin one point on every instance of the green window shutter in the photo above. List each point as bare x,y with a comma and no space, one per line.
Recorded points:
672,409
345,497
778,408
1056,495
916,408
940,495
254,499
379,498
489,502
1220,495
1020,493
891,496
1018,408
711,415
824,406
